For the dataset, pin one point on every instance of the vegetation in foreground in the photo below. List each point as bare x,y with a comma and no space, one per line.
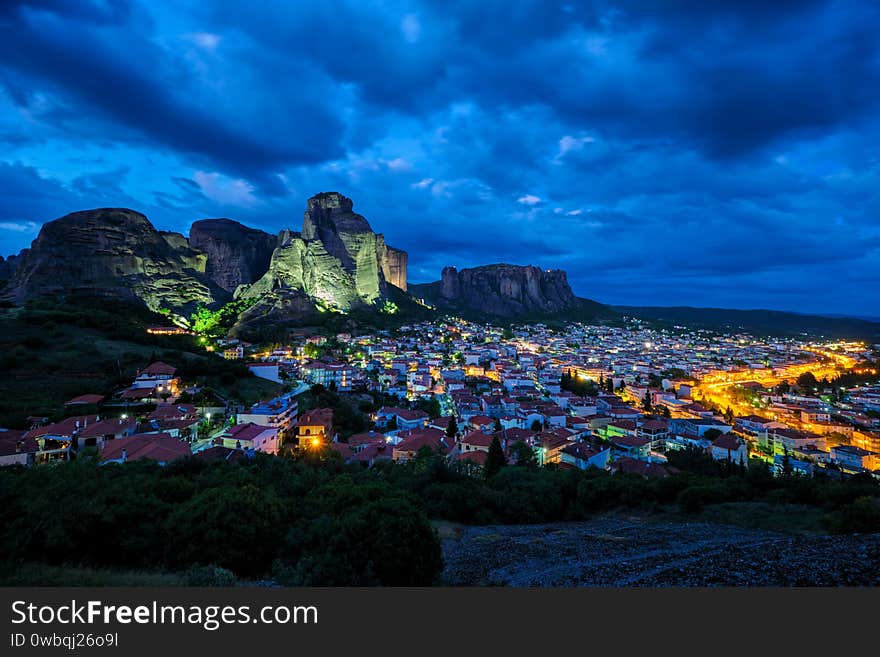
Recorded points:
316,521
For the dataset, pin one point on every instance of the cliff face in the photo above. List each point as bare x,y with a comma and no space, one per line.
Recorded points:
337,260
336,263
502,291
111,252
9,264
237,255
394,263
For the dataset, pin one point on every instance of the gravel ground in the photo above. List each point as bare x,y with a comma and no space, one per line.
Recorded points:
621,550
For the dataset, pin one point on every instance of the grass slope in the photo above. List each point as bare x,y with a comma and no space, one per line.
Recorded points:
51,354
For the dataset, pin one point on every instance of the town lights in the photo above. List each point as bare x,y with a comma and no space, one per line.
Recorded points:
316,442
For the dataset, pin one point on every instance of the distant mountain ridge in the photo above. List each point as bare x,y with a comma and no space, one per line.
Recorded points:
771,322
335,263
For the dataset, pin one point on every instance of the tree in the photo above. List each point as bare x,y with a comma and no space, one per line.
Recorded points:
524,455
452,428
646,401
537,426
495,460
498,426
807,381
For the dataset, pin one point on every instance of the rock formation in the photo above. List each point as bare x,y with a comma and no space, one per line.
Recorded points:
111,252
394,264
337,261
9,263
237,255
502,290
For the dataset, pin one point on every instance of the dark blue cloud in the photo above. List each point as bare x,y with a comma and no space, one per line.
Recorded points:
663,152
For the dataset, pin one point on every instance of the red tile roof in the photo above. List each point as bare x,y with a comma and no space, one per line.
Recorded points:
85,399
153,446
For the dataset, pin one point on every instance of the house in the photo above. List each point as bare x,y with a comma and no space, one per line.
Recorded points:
85,400
369,454
233,352
655,432
550,445
404,418
315,427
482,423
698,425
584,456
477,458
158,447
629,465
251,437
615,429
342,375
441,423
159,378
631,446
268,371
475,441
788,440
278,412
412,441
361,441
97,433
854,459
221,453
16,449
731,448
56,440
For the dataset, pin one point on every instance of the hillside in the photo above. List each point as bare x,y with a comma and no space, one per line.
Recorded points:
769,322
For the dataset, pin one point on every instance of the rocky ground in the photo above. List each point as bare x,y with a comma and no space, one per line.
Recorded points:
618,550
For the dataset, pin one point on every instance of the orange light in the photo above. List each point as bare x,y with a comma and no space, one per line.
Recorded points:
316,442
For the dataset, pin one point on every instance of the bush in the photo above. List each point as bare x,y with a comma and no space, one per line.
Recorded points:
208,576
861,516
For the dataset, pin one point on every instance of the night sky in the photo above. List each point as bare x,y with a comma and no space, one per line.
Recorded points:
663,152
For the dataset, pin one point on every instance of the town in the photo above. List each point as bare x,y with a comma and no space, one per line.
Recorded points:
615,398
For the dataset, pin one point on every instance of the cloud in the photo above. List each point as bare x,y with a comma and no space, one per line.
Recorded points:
411,28
529,199
225,190
206,40
20,226
737,133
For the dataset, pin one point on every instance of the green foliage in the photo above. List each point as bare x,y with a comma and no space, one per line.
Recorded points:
807,382
430,406
215,323
360,535
495,460
524,455
312,522
860,516
580,387
208,576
